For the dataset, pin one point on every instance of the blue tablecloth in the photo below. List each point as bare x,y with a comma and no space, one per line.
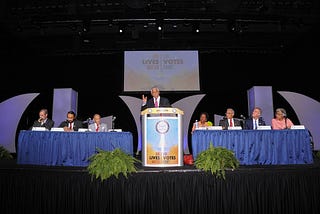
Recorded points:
68,148
258,146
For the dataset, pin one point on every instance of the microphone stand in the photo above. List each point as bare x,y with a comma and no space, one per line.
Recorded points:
242,120
112,124
285,122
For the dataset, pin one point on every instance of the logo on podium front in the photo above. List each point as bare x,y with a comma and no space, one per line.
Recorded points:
162,127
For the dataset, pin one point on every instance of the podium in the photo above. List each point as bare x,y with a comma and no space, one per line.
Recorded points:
162,137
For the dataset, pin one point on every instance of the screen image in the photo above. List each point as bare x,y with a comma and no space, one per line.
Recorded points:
168,70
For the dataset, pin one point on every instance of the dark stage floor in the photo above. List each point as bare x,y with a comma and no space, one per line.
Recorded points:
262,189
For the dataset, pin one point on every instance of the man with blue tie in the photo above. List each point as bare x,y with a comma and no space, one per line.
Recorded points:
255,120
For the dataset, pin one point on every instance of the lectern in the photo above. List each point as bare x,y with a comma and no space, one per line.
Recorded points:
162,137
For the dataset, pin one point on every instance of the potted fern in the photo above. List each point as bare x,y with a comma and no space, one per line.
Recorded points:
216,160
5,154
105,164
317,153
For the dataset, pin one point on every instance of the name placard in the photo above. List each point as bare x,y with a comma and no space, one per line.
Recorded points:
201,128
264,128
114,130
57,129
235,128
297,127
214,127
39,129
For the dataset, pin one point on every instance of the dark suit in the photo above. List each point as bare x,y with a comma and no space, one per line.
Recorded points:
48,124
248,123
76,124
225,124
164,102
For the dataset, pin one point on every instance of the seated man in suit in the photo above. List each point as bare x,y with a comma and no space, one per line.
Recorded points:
43,120
155,101
97,126
228,120
255,120
72,123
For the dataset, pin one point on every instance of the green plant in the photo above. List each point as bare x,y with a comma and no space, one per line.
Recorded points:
5,154
105,164
216,160
318,154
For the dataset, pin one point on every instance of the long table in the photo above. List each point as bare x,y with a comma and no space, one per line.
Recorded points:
263,147
68,148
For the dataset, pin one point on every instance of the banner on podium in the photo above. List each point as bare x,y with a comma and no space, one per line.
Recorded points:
162,141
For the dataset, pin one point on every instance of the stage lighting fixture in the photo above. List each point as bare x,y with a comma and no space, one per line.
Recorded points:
196,28
86,26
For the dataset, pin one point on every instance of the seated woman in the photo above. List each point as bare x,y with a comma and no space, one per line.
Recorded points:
280,121
203,121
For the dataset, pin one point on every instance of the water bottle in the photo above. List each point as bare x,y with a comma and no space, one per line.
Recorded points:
196,123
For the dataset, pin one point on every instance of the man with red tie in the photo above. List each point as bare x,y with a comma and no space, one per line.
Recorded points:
97,126
71,123
229,120
156,101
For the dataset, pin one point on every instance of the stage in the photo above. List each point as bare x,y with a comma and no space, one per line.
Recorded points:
248,189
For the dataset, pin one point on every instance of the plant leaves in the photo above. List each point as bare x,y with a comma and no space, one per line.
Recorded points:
216,160
5,154
105,164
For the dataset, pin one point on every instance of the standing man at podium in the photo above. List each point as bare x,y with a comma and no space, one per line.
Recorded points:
155,101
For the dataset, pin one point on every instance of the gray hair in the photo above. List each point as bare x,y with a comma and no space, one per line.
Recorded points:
155,87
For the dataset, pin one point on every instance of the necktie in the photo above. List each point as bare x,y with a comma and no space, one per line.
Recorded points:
156,103
255,124
97,129
70,125
231,123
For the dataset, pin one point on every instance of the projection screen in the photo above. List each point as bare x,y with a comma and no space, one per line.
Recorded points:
168,70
